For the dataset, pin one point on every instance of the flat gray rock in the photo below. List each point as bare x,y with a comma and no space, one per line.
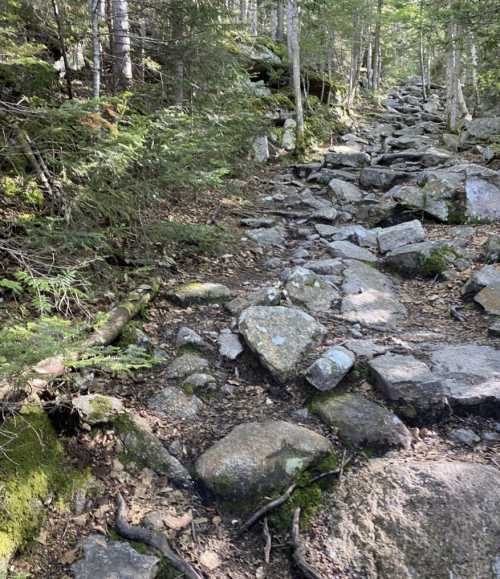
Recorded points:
280,337
174,402
308,290
327,231
230,346
325,266
344,156
268,296
489,299
484,277
257,459
427,258
381,178
199,293
483,200
370,298
438,519
366,348
329,370
348,250
345,192
390,238
188,337
270,236
103,559
428,158
185,365
360,422
97,408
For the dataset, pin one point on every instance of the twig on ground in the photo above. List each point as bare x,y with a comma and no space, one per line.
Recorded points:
152,539
275,503
299,550
268,545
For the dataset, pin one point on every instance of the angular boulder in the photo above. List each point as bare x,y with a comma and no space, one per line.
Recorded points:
360,422
344,156
390,238
348,250
382,178
257,459
345,192
267,236
427,258
174,402
280,337
329,370
308,290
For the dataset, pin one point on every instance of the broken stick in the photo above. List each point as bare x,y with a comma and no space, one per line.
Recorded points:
299,550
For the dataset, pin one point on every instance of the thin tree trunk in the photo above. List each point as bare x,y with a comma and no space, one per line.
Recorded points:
421,50
243,10
294,57
143,32
473,70
177,30
122,63
280,20
62,44
369,63
377,48
254,17
95,13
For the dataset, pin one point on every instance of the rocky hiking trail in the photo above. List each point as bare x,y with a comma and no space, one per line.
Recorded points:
350,353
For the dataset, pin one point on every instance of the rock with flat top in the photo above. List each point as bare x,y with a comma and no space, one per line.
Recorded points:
199,293
329,370
257,459
348,250
309,290
390,238
344,156
280,337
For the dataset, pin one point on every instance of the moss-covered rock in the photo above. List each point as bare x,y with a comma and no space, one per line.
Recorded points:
33,468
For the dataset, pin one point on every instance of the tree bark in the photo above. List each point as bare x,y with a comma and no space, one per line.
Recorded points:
474,69
280,21
62,44
377,48
254,17
122,63
422,50
294,57
95,13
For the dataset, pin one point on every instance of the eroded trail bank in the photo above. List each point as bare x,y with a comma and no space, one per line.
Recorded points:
357,323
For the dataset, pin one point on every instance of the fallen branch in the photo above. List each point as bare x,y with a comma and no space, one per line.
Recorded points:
274,504
299,550
153,539
269,543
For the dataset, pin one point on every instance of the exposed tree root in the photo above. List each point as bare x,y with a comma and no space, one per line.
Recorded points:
153,539
299,550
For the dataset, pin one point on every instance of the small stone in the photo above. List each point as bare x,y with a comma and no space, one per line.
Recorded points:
464,436
199,293
186,365
174,402
199,382
348,250
272,236
309,290
268,296
97,408
103,559
491,437
329,370
230,346
188,337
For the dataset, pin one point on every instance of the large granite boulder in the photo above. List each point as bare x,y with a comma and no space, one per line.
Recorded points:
417,519
280,337
257,459
361,422
427,258
345,192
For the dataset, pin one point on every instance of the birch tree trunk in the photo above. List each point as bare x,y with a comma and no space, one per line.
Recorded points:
474,63
422,50
294,57
254,17
456,107
280,21
95,14
122,63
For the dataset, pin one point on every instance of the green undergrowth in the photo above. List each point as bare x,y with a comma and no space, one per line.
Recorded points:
33,468
307,496
439,261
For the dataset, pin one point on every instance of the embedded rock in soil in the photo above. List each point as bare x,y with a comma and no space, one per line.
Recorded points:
348,250
382,178
366,348
464,436
145,449
361,422
410,385
470,376
230,346
257,459
185,365
326,231
489,299
390,238
434,201
328,371
427,258
484,277
272,236
429,158
325,266
268,296
96,408
370,298
199,383
174,402
188,337
308,290
280,337
483,200
345,192
425,519
481,129
258,222
343,156
199,293
324,214
493,248
103,559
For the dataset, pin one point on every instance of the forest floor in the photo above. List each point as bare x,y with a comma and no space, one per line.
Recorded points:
246,393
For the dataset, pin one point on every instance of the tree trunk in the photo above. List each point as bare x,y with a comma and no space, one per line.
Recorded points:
369,63
95,13
280,20
473,70
422,50
377,49
177,34
122,63
453,85
62,44
254,17
294,57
